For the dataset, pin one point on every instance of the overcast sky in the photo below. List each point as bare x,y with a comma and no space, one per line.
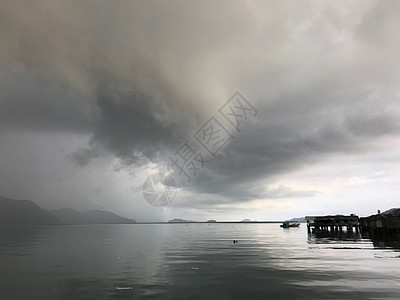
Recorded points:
96,95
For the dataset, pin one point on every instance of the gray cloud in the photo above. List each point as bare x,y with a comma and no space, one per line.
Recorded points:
30,103
83,156
285,140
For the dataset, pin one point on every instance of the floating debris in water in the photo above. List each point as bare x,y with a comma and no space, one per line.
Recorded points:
123,288
195,268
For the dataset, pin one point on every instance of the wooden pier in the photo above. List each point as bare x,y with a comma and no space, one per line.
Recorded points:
384,225
333,224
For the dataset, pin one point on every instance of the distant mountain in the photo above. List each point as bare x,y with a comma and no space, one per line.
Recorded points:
25,212
181,221
301,219
389,211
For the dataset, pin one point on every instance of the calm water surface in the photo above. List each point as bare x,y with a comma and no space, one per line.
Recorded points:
194,261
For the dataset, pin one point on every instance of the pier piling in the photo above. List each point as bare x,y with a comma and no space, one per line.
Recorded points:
332,224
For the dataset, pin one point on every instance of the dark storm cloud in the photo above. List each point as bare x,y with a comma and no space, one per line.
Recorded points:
128,125
30,103
298,132
83,156
75,69
138,78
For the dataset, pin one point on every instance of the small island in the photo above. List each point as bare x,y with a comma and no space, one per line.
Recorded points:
181,221
248,221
